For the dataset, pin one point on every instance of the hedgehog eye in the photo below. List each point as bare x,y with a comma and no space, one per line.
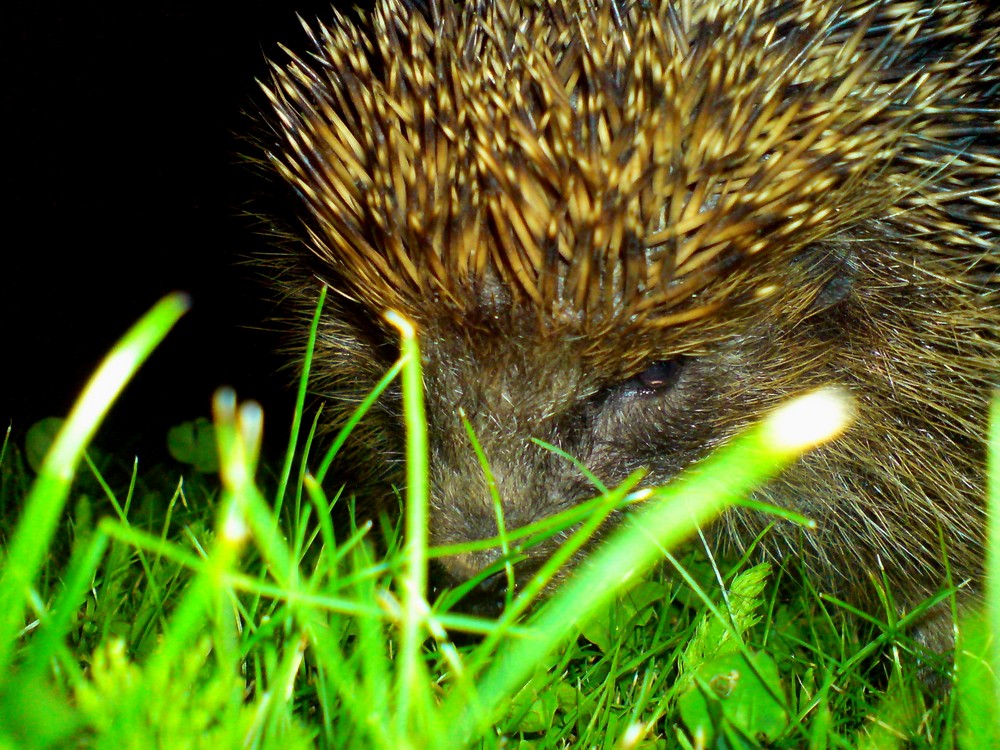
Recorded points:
657,377
656,380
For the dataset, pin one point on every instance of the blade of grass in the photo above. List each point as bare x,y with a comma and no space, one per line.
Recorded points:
356,417
491,484
532,590
47,498
993,542
48,642
300,399
412,680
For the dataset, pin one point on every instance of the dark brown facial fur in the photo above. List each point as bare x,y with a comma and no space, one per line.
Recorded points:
630,232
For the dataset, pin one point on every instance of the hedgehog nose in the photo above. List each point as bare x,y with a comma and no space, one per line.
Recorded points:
493,586
486,598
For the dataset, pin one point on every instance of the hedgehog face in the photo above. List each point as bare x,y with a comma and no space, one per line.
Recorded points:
513,390
515,384
628,229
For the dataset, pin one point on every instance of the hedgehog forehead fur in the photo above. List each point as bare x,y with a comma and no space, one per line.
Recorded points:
615,166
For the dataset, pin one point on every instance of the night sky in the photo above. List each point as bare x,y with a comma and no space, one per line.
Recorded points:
123,181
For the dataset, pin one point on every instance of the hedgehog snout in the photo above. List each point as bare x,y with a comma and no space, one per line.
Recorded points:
487,598
528,481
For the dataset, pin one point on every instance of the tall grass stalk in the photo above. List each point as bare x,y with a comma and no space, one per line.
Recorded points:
993,545
44,504
412,677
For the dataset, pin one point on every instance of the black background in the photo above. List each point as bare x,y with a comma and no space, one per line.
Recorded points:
122,180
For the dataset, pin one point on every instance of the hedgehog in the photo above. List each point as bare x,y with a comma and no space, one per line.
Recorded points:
629,229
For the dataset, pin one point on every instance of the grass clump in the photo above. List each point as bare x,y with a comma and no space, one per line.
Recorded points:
216,616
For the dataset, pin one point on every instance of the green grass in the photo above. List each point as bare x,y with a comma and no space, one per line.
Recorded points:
183,611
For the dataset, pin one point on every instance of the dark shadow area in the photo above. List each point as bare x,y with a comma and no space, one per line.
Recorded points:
122,181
